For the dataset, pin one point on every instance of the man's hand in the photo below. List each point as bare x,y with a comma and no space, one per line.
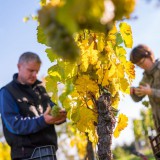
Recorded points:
143,90
49,119
62,114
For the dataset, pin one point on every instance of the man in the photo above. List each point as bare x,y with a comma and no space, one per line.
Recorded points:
149,86
25,111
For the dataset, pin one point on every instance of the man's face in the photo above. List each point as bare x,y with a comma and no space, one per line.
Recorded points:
28,72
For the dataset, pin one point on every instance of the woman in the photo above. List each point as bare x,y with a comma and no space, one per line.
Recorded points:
149,86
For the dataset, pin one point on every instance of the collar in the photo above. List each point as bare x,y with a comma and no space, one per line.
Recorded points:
154,67
15,76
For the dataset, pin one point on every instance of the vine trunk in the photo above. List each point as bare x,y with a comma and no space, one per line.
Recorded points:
105,126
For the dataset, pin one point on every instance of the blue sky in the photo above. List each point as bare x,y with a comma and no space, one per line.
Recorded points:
17,37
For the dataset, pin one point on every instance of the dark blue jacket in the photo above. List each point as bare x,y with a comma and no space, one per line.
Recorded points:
22,109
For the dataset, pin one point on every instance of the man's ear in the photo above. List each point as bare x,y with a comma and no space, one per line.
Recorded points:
18,66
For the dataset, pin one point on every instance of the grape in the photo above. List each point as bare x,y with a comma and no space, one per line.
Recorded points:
55,110
59,38
123,8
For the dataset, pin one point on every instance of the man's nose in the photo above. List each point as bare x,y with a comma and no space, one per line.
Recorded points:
34,74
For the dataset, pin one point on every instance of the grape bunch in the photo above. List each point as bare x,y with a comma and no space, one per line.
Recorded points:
58,37
62,42
55,110
123,8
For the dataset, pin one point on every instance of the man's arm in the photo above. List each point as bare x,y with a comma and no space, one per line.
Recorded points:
12,119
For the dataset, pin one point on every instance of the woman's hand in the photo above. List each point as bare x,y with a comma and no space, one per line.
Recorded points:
132,90
143,90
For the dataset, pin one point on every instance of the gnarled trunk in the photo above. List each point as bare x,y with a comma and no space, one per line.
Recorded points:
105,126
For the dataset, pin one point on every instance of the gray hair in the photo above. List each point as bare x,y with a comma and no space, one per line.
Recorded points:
29,56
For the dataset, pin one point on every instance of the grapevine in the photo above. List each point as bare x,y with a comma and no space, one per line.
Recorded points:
55,111
90,62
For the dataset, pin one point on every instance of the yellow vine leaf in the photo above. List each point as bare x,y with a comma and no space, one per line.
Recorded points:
98,65
55,71
84,85
84,55
121,54
74,114
84,45
120,70
115,100
105,81
88,57
56,2
112,70
93,56
90,104
4,151
100,75
43,2
128,90
122,123
129,68
66,103
26,19
84,65
112,35
124,84
86,122
114,86
55,74
126,33
51,86
101,43
109,49
70,69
